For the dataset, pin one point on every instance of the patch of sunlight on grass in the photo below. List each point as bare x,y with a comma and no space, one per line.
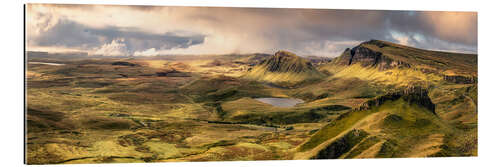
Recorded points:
252,145
281,145
110,148
260,73
400,77
163,150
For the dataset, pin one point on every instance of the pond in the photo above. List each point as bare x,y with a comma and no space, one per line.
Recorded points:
51,64
280,102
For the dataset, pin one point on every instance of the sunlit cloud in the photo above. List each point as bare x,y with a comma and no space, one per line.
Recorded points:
146,31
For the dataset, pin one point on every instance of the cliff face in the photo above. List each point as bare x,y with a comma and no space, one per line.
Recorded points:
386,55
413,95
369,58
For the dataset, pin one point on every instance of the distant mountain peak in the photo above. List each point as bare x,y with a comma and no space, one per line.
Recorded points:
284,66
284,61
285,53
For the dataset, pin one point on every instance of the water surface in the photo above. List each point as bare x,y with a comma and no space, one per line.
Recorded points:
280,102
44,63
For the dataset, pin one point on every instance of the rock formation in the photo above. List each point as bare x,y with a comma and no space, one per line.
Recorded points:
370,58
413,95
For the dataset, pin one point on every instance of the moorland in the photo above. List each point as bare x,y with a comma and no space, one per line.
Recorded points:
375,100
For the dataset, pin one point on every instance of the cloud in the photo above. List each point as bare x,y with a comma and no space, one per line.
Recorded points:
67,34
115,48
70,34
213,30
458,27
148,52
449,31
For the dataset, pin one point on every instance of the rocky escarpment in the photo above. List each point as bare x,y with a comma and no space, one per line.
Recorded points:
413,95
367,57
459,79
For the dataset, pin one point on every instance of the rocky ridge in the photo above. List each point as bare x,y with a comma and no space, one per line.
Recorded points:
413,95
370,58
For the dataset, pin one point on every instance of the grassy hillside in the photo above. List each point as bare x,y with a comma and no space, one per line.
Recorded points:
374,68
284,68
385,131
399,77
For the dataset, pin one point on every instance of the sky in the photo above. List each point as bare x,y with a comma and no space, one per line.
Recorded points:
114,30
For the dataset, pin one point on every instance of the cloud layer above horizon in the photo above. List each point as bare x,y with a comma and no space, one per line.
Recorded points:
157,30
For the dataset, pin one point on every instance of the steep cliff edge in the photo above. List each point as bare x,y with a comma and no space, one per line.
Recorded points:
386,55
412,95
369,58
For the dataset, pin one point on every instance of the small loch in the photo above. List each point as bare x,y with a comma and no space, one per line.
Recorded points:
280,102
44,63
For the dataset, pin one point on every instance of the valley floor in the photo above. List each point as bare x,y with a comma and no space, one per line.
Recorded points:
106,111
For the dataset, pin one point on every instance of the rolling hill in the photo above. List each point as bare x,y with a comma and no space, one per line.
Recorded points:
376,100
410,95
383,127
284,68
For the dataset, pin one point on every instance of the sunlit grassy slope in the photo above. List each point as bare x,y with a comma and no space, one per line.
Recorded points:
396,76
90,111
284,68
86,112
386,130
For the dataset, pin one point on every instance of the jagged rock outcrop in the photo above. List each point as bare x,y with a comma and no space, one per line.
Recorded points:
367,57
385,55
413,95
459,79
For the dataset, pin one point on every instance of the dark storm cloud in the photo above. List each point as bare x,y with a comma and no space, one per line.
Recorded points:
295,28
67,33
137,40
435,30
438,30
